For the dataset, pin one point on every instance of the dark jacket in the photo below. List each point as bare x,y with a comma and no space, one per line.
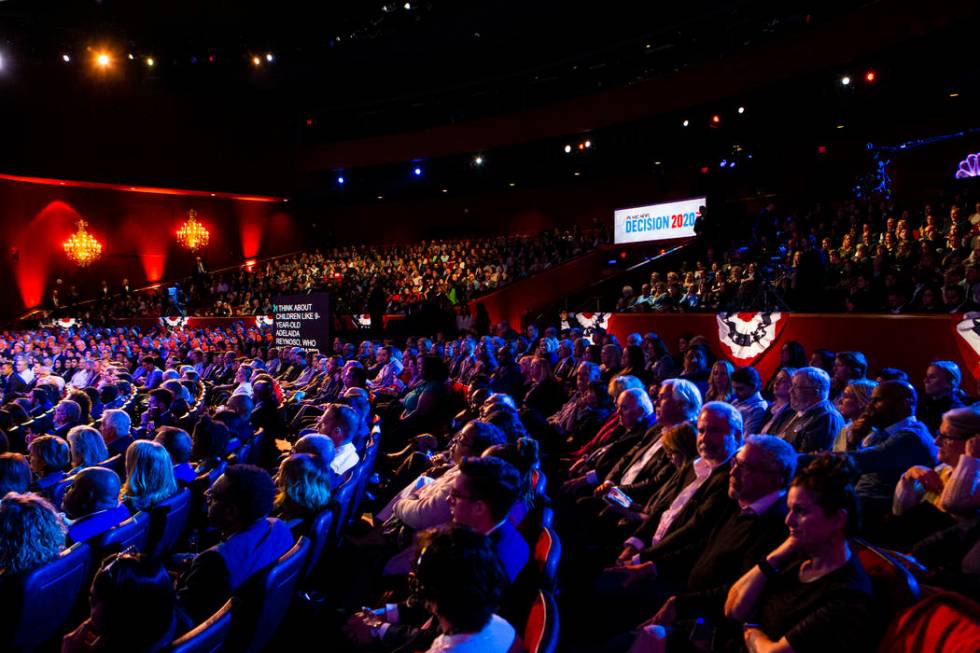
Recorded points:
815,429
217,573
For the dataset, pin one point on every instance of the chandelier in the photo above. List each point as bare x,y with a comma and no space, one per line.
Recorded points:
82,248
192,234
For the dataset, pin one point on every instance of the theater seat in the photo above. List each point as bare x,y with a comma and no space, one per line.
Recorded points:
943,623
168,521
319,534
265,599
131,534
117,464
343,497
894,587
541,629
547,554
209,637
45,598
58,491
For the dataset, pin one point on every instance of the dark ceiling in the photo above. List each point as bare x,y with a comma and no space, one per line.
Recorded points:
205,117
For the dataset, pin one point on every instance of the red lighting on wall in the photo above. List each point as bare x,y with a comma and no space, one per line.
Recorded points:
139,189
822,149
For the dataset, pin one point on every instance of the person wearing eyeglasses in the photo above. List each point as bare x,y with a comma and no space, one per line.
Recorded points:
239,504
947,486
816,422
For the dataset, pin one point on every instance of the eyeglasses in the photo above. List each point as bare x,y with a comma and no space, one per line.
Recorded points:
948,438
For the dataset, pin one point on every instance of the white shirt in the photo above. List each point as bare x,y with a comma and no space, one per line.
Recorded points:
634,470
702,470
496,637
345,459
244,388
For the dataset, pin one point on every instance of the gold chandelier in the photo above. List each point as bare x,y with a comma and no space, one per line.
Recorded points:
82,248
192,234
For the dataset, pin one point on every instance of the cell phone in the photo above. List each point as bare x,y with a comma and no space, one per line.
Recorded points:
618,497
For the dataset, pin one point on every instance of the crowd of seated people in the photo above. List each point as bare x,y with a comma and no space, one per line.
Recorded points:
698,505
395,278
857,257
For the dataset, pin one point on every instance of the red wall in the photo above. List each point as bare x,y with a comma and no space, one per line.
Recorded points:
908,342
137,231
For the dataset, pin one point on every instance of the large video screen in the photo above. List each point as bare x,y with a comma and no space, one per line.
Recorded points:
657,221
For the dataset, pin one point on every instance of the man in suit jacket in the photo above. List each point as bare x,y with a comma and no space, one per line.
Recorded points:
636,417
817,422
642,471
115,431
239,504
92,503
701,572
152,375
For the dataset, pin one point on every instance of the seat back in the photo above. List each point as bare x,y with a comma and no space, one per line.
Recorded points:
894,586
943,623
344,497
48,596
547,555
265,599
541,629
131,534
58,492
117,464
168,521
321,530
209,637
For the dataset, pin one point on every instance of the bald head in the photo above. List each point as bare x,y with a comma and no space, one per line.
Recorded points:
94,489
891,402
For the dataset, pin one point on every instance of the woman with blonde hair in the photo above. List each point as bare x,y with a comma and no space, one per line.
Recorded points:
853,401
720,382
302,487
149,475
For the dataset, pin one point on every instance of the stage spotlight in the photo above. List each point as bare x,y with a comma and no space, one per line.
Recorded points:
269,57
408,6
131,56
715,119
686,123
150,62
588,144
445,190
511,184
845,81
581,147
954,94
256,61
417,172
340,180
724,163
741,109
478,160
102,60
66,58
870,77
568,149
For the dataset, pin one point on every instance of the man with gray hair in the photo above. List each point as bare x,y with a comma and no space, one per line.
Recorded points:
817,421
636,417
753,525
700,504
645,467
115,431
